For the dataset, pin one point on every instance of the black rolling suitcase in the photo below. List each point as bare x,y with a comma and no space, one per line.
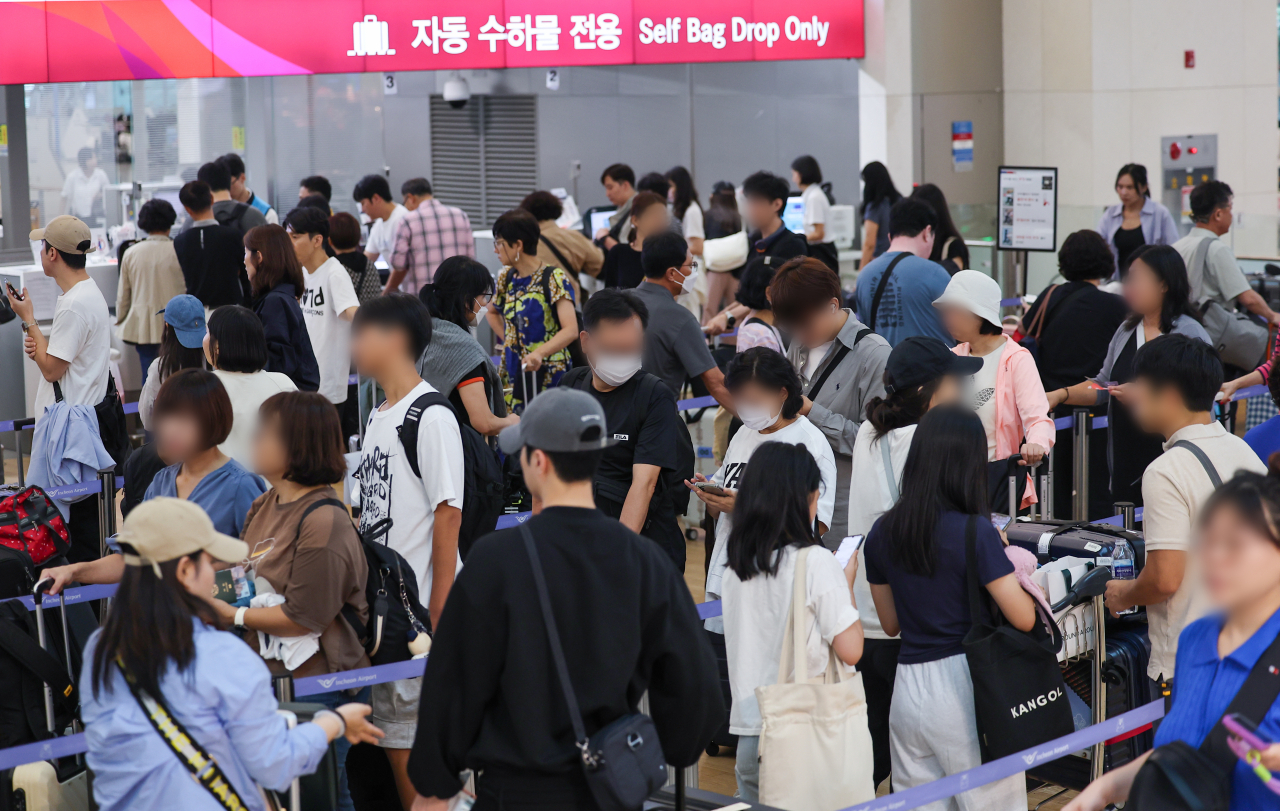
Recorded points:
1052,540
723,739
317,791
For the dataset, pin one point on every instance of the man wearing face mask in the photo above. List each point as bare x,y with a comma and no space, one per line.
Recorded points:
638,481
675,347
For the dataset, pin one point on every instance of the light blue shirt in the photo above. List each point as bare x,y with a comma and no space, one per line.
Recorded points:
67,449
226,494
225,702
1158,226
906,308
1203,690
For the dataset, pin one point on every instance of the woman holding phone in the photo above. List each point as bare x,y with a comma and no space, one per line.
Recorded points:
1159,298
766,395
1238,557
775,510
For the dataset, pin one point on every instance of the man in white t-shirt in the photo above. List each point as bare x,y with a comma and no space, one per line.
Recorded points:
1175,381
373,193
77,352
328,303
84,185
388,335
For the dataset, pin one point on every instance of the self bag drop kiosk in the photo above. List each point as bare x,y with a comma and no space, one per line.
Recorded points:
1186,161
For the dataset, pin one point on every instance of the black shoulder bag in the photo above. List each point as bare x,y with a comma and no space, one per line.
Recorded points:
884,282
1019,697
623,762
1177,777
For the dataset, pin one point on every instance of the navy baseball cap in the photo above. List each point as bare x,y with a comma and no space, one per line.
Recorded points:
186,315
918,359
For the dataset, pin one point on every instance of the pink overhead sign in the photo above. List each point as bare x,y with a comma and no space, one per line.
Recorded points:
99,40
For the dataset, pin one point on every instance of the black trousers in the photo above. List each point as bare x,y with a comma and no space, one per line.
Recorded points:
879,665
506,792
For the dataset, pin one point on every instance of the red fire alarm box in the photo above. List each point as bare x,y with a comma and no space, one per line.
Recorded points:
1189,59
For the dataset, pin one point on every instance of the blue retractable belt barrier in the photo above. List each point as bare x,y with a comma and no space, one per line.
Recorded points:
378,674
1011,302
695,403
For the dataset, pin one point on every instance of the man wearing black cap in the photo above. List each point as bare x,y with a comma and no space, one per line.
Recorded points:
919,374
491,699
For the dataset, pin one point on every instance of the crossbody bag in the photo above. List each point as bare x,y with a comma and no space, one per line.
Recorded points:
884,282
203,767
623,762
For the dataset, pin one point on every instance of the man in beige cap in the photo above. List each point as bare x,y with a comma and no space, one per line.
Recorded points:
76,352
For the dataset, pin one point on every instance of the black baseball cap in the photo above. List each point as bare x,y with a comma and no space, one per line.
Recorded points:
918,359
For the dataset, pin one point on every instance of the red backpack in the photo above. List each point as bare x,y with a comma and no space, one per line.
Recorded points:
31,523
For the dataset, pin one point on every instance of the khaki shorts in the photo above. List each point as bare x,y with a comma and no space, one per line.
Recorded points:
395,712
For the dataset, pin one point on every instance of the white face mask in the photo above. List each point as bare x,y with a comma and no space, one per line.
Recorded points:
615,370
755,417
687,282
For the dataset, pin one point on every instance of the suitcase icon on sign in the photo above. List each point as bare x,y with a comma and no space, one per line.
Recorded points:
369,38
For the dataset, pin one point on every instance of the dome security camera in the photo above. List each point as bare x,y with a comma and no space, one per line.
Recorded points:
457,92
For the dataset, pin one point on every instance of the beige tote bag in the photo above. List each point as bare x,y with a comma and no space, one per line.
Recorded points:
815,745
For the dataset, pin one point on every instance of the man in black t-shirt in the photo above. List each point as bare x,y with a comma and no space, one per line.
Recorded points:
641,413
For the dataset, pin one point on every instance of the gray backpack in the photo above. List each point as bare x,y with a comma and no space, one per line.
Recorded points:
1240,340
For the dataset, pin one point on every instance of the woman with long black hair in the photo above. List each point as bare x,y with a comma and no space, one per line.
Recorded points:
1159,297
878,196
948,245
774,516
167,693
453,362
686,208
916,565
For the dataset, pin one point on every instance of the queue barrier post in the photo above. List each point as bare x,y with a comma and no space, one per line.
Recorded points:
106,509
282,686
18,427
1080,458
1125,510
1046,487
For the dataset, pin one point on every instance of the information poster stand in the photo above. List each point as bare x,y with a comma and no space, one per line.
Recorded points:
1026,215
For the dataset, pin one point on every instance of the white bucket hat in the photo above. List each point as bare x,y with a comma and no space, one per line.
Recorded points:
974,291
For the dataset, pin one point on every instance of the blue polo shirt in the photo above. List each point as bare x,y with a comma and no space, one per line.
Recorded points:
1204,688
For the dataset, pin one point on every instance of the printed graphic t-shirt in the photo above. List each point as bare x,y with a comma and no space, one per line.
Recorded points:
388,486
984,398
328,293
744,443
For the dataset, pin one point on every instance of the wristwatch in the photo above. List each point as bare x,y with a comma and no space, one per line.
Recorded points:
26,326
239,620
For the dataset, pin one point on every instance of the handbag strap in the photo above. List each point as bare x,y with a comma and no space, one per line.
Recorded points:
795,638
884,282
1198,265
203,767
1037,323
1259,692
887,456
971,569
835,361
1203,458
557,653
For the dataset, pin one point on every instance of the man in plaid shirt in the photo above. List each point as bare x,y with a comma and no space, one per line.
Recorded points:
425,237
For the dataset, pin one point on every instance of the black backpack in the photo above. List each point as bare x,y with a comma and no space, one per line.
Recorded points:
234,218
481,473
670,488
391,590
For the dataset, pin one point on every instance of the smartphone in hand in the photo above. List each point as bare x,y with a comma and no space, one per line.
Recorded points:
848,548
712,488
1001,521
17,294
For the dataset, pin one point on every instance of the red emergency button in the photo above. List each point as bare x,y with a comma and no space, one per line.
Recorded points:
1175,151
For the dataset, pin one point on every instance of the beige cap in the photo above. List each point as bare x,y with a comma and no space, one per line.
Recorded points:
66,233
162,529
